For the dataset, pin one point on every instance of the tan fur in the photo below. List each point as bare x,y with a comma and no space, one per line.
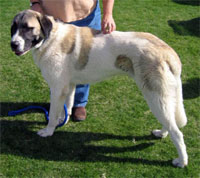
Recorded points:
150,69
124,63
87,36
152,39
33,22
162,51
164,55
68,42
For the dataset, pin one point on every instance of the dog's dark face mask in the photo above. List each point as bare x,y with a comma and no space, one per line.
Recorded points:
28,30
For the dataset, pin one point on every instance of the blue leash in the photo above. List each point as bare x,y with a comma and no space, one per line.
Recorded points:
14,113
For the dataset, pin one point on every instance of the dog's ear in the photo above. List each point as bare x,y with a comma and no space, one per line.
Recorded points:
46,25
13,28
14,23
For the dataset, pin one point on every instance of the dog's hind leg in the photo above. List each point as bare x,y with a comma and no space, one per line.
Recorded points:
181,119
58,97
163,107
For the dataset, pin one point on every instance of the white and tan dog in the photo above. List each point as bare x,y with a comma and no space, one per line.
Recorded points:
68,55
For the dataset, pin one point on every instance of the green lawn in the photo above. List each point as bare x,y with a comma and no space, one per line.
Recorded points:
115,140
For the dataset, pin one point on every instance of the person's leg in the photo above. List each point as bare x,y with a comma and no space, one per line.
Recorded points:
81,95
80,101
82,91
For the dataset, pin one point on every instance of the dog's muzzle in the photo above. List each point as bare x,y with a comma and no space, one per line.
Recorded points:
15,45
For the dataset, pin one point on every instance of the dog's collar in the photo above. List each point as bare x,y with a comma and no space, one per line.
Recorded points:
39,44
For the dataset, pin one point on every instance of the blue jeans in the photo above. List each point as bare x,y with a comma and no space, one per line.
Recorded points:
93,20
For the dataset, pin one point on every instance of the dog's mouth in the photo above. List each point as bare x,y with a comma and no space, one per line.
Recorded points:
20,53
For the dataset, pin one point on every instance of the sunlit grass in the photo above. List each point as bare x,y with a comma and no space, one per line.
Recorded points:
115,140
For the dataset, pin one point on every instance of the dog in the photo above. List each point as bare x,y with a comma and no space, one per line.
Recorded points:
68,55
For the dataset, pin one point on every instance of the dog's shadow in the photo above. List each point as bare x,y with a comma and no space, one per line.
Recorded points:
18,139
191,89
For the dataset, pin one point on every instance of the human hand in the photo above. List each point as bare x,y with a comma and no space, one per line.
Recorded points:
108,24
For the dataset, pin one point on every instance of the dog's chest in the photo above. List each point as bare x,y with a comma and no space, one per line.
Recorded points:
50,64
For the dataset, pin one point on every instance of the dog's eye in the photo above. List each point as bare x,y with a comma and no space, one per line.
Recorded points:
30,28
25,28
24,25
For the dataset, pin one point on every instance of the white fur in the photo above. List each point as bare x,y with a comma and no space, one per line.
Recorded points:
164,96
17,38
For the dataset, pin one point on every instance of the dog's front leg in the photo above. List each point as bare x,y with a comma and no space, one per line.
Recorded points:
57,102
69,101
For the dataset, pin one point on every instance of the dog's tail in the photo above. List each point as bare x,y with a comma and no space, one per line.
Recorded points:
180,116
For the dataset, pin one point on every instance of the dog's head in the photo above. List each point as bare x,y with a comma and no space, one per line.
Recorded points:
29,29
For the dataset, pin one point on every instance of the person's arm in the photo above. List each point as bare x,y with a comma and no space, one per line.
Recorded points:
108,23
36,5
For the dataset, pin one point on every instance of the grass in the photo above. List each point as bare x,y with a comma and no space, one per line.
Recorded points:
115,140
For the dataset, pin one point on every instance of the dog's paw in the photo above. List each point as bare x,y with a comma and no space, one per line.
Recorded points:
178,163
48,131
160,133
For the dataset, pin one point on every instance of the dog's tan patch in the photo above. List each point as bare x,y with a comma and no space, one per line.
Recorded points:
30,19
124,63
152,39
33,22
68,43
86,35
154,63
160,51
150,70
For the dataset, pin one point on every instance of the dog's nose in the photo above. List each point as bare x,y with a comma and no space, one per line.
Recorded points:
14,44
